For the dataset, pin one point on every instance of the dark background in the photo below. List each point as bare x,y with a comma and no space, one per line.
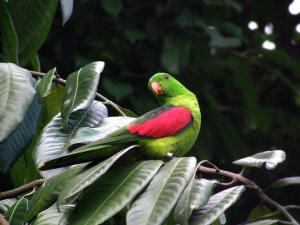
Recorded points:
249,96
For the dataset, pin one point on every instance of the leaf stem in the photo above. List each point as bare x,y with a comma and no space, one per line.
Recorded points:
58,79
250,184
22,189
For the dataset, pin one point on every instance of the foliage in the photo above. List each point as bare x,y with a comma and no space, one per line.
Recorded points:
249,98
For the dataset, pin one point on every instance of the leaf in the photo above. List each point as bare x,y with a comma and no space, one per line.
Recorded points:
16,214
118,90
112,192
219,41
108,125
52,216
269,158
216,205
32,20
46,195
45,84
81,89
88,177
259,211
285,182
35,62
157,201
13,146
175,53
6,204
17,93
112,7
54,142
66,9
9,36
195,195
264,222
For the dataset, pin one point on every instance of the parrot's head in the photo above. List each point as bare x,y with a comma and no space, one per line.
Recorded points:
164,86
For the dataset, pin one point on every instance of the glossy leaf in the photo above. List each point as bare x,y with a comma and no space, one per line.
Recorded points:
17,93
285,182
54,142
195,195
216,205
14,145
108,125
157,201
16,213
44,85
269,158
113,192
81,89
8,34
6,204
52,216
32,20
46,195
66,9
88,177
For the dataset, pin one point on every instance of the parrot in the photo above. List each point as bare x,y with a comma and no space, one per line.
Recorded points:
169,130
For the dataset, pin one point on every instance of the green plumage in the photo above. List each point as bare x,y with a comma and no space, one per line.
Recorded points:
170,93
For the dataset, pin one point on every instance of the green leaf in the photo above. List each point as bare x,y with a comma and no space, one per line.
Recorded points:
195,195
88,177
52,216
175,53
157,201
45,84
35,62
66,9
13,146
17,93
259,211
117,89
16,214
32,20
108,125
112,7
285,182
9,36
264,222
54,142
268,158
113,192
46,195
81,89
216,205
6,204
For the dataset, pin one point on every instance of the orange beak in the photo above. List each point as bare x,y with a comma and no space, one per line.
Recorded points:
156,88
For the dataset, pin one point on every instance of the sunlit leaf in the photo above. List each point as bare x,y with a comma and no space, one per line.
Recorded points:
8,34
46,195
88,177
113,192
81,89
268,158
44,85
216,205
157,201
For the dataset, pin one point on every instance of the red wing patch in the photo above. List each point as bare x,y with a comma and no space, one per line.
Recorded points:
165,124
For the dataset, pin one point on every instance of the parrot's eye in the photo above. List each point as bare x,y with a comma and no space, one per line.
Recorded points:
166,77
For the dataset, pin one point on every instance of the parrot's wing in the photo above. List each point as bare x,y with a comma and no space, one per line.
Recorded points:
161,122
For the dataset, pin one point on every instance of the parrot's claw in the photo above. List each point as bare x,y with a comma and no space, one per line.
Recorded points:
170,156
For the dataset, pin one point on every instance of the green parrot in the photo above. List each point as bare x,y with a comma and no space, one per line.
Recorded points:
170,129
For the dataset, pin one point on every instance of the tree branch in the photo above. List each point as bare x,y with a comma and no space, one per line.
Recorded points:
106,101
3,221
250,184
22,189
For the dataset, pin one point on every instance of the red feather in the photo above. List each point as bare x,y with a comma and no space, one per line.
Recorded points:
165,124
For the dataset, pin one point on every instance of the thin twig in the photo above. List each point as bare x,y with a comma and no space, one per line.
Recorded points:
250,184
22,189
3,221
58,79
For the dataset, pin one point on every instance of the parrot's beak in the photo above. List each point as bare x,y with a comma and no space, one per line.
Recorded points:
156,88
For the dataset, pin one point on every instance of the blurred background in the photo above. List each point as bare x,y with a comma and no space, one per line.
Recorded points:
241,58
